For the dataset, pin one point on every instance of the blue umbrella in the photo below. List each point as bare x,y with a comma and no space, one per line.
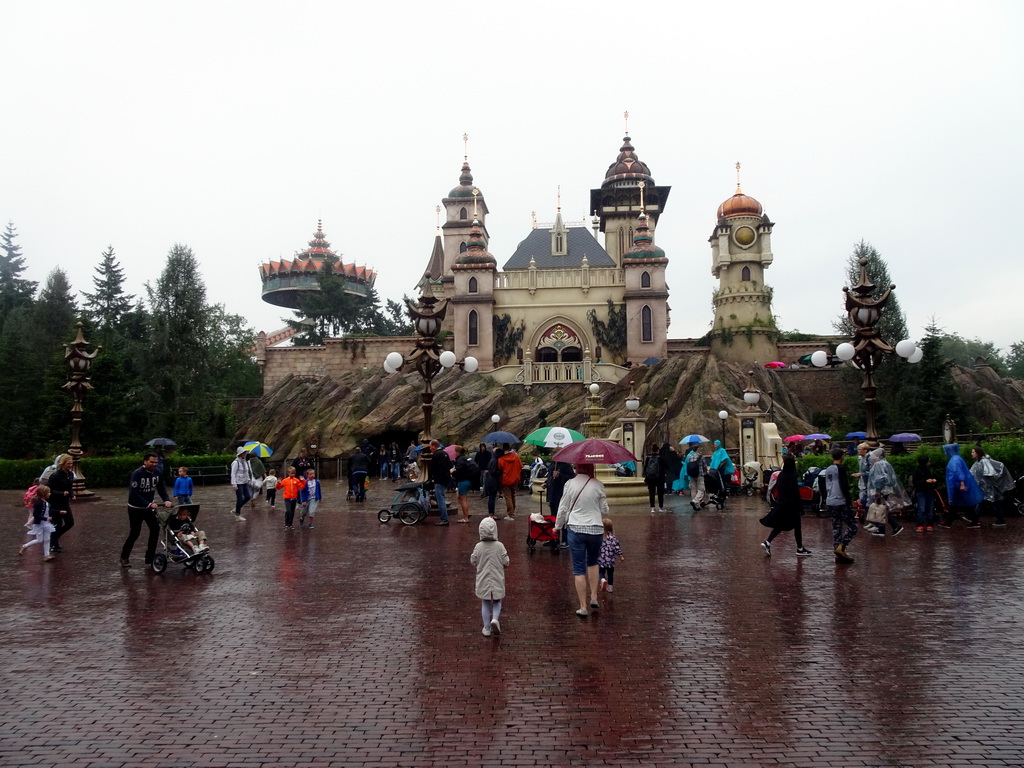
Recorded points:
693,439
852,435
818,436
905,437
500,437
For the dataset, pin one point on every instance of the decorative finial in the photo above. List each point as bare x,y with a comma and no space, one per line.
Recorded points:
626,116
533,219
465,147
475,193
437,211
641,185
559,202
737,177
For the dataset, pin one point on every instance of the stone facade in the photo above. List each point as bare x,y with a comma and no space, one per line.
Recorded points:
335,358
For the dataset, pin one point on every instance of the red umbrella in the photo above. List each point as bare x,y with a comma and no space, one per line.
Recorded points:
594,451
450,450
775,364
794,439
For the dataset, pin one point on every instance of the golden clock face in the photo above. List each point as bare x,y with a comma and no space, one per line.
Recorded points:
744,236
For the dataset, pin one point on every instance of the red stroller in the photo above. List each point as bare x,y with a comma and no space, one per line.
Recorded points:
544,532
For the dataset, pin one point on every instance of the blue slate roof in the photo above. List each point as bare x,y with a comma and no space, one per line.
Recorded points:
579,240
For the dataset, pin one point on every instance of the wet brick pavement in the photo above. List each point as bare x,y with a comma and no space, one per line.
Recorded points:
359,644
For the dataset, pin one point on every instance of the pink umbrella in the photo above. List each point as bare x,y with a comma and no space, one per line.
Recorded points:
775,364
794,439
594,451
450,450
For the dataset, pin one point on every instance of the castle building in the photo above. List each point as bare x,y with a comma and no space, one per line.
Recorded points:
741,250
562,304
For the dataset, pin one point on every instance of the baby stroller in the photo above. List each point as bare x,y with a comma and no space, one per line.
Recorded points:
190,554
715,488
812,491
410,505
751,472
542,530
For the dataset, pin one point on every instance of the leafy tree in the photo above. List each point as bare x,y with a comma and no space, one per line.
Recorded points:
1015,360
108,302
178,356
963,351
926,393
893,324
327,313
15,291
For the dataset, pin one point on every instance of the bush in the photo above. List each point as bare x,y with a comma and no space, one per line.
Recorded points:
108,472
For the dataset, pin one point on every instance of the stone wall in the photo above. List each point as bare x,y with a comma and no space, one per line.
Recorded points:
822,390
335,358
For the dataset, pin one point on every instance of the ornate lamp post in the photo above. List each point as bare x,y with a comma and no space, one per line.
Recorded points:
724,416
427,357
867,347
78,384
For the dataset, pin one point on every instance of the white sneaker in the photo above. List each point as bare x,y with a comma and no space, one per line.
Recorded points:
487,632
495,627
653,510
663,510
239,518
609,588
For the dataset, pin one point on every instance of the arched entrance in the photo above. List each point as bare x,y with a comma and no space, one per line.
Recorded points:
560,343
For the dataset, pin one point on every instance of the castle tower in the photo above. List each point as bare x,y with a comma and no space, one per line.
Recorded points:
473,300
744,328
646,295
464,207
617,204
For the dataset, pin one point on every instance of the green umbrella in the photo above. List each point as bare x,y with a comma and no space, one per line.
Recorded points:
553,437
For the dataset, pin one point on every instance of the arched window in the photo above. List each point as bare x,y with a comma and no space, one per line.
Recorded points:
463,214
474,328
622,241
463,247
472,285
745,275
646,331
645,280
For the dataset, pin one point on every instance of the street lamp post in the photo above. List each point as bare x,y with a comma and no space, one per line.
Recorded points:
77,385
427,357
867,347
723,415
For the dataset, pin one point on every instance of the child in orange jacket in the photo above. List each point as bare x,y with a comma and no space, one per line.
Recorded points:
290,488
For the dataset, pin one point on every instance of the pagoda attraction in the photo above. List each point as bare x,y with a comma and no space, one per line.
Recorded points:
285,280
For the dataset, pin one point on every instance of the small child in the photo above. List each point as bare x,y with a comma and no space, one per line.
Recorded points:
310,497
190,541
183,487
42,526
290,488
610,549
491,559
270,486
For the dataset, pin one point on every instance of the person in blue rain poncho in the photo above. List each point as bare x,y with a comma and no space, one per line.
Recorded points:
720,460
962,489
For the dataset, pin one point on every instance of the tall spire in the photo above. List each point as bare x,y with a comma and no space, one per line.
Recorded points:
625,115
738,190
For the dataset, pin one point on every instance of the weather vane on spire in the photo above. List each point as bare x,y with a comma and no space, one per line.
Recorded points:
437,211
737,176
559,198
465,147
641,185
626,116
475,193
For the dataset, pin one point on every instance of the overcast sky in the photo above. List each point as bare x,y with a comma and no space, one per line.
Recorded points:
233,127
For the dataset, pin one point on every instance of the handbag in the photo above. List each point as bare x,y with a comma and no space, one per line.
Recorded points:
877,513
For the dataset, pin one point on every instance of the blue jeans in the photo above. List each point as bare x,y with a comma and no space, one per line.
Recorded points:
359,485
585,549
442,502
242,494
924,508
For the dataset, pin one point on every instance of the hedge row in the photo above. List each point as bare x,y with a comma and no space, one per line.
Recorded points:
110,472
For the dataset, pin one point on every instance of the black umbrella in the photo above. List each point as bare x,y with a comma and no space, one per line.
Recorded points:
162,442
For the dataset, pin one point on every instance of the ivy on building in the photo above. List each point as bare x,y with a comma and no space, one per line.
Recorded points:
611,335
507,337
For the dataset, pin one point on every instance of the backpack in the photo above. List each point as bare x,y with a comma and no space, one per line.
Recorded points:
693,465
652,468
474,475
29,499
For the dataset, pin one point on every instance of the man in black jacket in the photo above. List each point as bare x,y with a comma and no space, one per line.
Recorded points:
441,476
145,482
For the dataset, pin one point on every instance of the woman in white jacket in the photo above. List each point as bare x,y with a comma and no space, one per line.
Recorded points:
582,510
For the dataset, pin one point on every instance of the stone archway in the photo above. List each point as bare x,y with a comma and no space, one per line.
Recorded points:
559,341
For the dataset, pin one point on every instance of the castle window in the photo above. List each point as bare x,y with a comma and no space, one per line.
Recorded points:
463,247
646,331
745,275
559,246
645,280
622,241
472,285
474,328
463,214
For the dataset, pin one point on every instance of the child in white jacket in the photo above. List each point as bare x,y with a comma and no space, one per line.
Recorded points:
491,559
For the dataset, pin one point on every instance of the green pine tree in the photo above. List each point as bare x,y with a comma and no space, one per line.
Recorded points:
108,303
15,291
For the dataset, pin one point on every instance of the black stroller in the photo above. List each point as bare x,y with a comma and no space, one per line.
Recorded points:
715,488
188,551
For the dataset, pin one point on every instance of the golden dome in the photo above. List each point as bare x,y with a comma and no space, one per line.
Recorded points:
739,205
